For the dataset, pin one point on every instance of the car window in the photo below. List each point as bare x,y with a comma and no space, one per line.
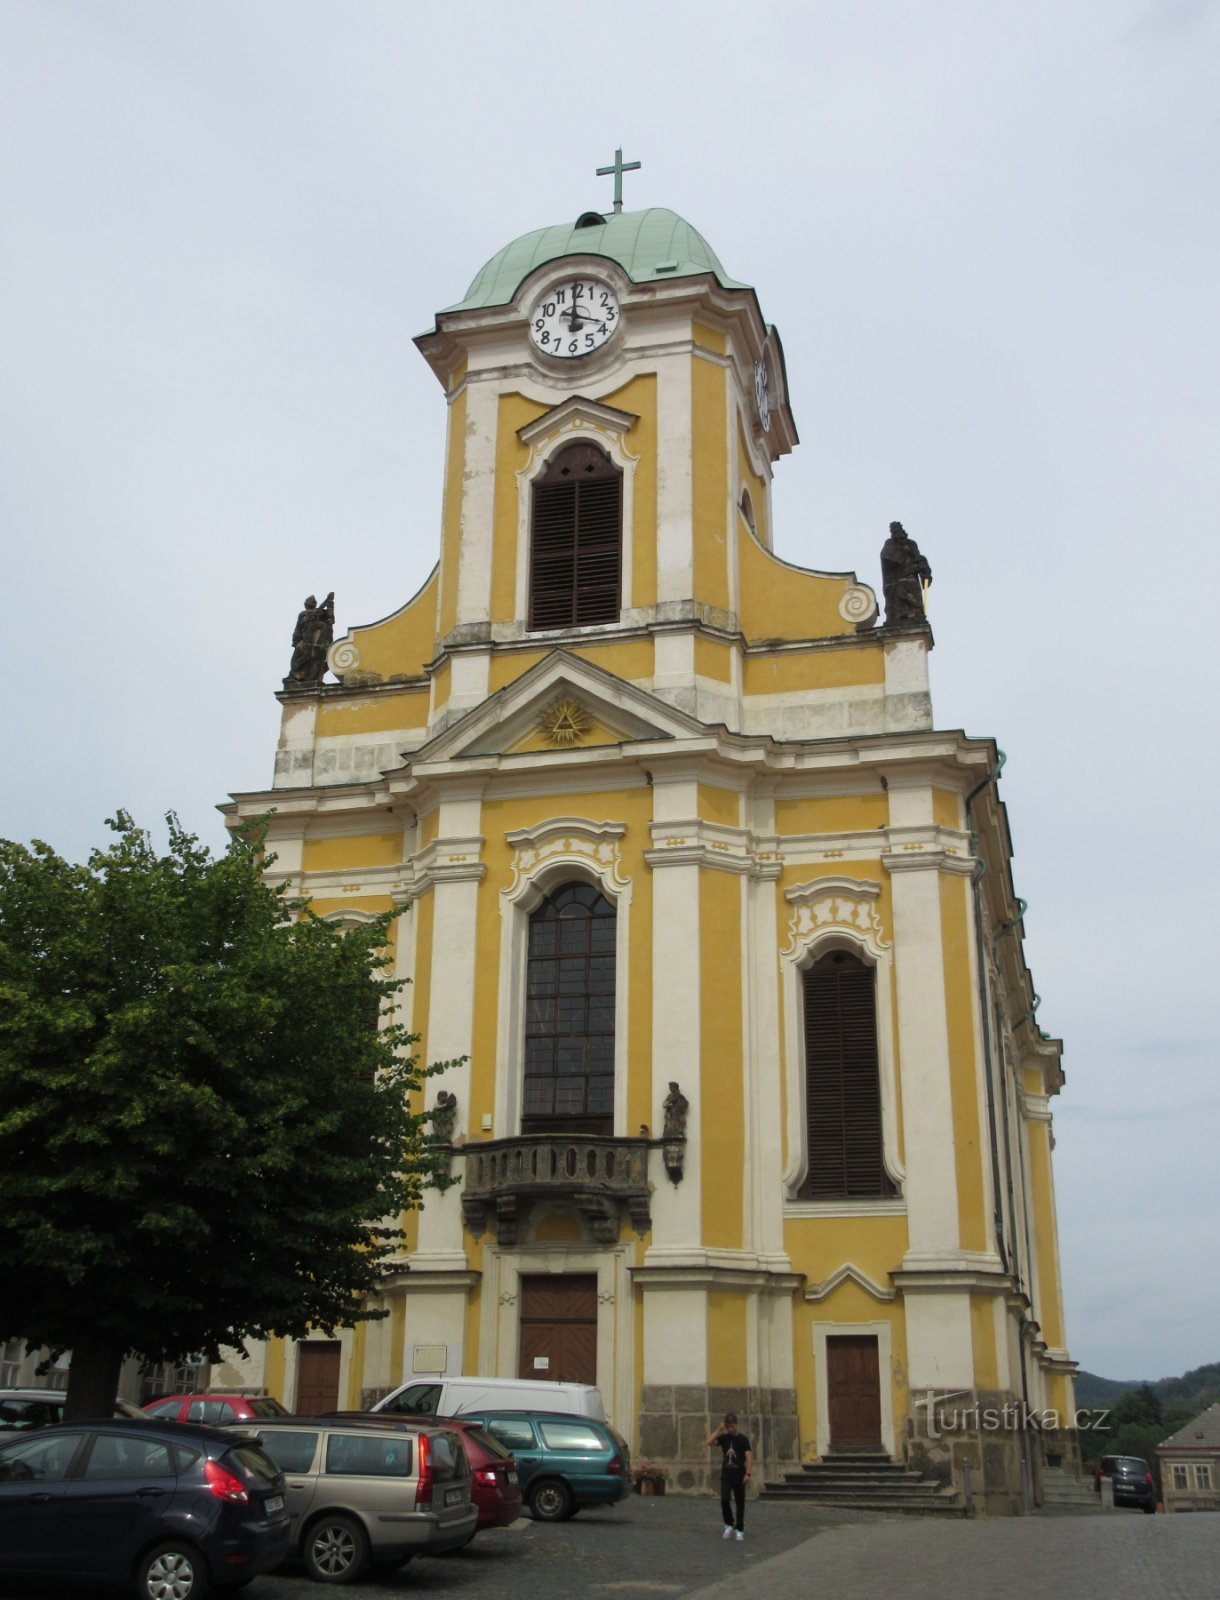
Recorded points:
21,1414
488,1443
267,1407
291,1451
209,1411
118,1455
421,1398
255,1463
570,1436
39,1460
448,1457
184,1459
515,1433
165,1408
369,1457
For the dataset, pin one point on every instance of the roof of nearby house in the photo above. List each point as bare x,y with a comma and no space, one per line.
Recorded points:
1201,1434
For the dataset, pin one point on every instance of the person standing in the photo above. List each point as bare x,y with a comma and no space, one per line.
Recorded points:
735,1467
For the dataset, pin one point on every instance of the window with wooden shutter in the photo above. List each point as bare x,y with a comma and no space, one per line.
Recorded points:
568,1082
576,540
842,1081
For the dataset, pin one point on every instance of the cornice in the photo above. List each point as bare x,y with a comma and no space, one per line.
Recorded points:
849,1273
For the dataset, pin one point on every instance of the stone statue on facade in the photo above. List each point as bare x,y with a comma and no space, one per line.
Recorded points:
673,1133
905,574
444,1116
311,639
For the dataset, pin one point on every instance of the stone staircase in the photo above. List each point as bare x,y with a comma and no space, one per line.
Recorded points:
1062,1492
865,1483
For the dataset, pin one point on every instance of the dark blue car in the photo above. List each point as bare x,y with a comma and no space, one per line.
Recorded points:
173,1508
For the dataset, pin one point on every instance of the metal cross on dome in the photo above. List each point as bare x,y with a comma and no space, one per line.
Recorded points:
620,166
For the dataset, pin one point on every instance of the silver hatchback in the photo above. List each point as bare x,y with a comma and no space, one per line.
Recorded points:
361,1496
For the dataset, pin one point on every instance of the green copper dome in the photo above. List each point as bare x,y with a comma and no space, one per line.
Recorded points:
650,246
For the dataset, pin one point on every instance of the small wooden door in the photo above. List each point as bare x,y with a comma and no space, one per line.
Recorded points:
317,1376
559,1328
854,1389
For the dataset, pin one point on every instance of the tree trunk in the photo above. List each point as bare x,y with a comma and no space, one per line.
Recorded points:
93,1378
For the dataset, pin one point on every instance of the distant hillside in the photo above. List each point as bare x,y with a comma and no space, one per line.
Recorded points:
1194,1391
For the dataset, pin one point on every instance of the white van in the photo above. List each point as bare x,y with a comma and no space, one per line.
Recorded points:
449,1397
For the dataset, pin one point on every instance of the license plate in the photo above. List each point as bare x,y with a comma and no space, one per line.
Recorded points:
453,1497
512,1477
273,1503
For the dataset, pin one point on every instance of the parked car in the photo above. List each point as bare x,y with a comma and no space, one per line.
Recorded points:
215,1406
455,1397
1132,1478
173,1509
23,1409
565,1462
495,1487
362,1495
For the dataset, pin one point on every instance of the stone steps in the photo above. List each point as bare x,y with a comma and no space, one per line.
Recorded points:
1061,1490
865,1483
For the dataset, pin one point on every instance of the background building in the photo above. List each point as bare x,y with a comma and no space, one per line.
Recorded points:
754,1109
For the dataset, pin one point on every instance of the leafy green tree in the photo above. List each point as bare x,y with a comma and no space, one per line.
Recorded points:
199,1127
1140,1407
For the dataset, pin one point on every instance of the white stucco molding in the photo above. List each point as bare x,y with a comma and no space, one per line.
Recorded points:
836,913
545,856
848,1273
575,421
454,860
350,917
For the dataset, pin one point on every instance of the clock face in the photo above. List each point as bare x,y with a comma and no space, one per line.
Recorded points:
575,317
762,394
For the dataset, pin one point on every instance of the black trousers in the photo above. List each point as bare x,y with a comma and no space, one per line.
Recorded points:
733,1489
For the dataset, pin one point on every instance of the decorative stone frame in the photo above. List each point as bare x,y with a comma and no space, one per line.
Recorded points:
545,856
883,1333
836,913
576,421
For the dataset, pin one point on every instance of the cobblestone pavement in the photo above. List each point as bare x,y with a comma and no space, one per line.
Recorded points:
670,1549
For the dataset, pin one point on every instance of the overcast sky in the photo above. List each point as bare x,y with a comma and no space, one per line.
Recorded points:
988,234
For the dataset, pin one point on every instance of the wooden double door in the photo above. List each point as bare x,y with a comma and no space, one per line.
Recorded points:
559,1327
853,1382
317,1376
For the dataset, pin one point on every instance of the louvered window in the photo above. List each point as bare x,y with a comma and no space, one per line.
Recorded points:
842,1081
569,1014
576,541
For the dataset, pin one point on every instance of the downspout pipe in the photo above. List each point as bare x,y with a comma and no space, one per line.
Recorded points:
985,1006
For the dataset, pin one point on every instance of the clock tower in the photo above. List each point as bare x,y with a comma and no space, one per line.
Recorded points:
751,1110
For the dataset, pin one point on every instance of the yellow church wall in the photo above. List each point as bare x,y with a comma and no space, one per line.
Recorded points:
982,1337
959,1008
355,1371
630,659
719,805
274,1371
706,338
515,411
639,397
946,808
846,668
851,813
720,1075
713,659
442,684
423,910
1049,1311
710,483
398,1328
726,1339
383,712
818,1246
749,479
349,853
781,601
398,646
451,512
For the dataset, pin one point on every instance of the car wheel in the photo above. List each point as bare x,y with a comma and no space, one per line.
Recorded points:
336,1550
172,1572
551,1500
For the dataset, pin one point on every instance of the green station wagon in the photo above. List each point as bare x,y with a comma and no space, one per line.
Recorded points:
564,1462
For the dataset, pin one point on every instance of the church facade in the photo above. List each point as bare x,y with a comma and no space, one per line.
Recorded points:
752,1109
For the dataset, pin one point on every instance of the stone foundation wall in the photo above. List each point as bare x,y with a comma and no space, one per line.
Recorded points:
993,1433
675,1420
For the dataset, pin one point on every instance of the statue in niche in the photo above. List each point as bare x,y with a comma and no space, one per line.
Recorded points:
905,574
673,1133
444,1116
311,639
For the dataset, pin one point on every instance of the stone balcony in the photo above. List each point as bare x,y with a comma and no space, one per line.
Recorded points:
597,1174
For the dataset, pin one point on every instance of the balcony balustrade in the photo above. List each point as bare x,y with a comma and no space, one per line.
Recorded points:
598,1174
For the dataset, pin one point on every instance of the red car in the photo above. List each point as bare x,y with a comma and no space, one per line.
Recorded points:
215,1407
494,1488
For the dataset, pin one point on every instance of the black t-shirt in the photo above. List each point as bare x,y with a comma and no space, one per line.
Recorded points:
734,1446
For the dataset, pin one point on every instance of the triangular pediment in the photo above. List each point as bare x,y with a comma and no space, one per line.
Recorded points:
561,704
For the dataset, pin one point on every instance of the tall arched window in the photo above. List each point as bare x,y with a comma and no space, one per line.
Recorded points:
576,540
569,1014
842,1082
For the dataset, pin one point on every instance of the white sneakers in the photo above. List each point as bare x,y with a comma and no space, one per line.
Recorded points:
740,1535
728,1530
